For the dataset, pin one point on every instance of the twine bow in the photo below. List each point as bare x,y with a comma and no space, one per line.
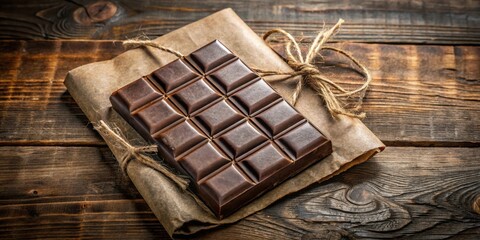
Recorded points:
311,75
114,135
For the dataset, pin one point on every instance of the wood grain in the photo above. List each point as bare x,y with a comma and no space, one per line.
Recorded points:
59,180
421,95
438,22
79,192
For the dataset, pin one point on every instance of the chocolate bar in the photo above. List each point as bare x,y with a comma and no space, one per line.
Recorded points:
218,122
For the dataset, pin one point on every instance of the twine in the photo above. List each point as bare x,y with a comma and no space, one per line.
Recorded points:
312,76
303,66
134,43
113,135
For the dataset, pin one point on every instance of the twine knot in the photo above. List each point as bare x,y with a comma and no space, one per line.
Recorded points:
133,152
303,68
138,153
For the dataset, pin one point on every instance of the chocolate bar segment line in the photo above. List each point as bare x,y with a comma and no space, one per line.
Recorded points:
219,123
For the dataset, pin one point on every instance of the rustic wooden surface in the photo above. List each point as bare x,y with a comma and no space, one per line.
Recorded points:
59,180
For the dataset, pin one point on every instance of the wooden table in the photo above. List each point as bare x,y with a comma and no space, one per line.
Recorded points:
59,180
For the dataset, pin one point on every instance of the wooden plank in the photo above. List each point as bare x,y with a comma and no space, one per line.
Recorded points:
79,192
421,95
70,192
425,95
438,22
34,105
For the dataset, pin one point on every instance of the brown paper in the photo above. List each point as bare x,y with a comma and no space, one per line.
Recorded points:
92,84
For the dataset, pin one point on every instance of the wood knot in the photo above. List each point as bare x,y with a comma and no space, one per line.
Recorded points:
95,12
476,205
357,205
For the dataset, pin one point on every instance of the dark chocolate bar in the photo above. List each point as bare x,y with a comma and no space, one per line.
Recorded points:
217,121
